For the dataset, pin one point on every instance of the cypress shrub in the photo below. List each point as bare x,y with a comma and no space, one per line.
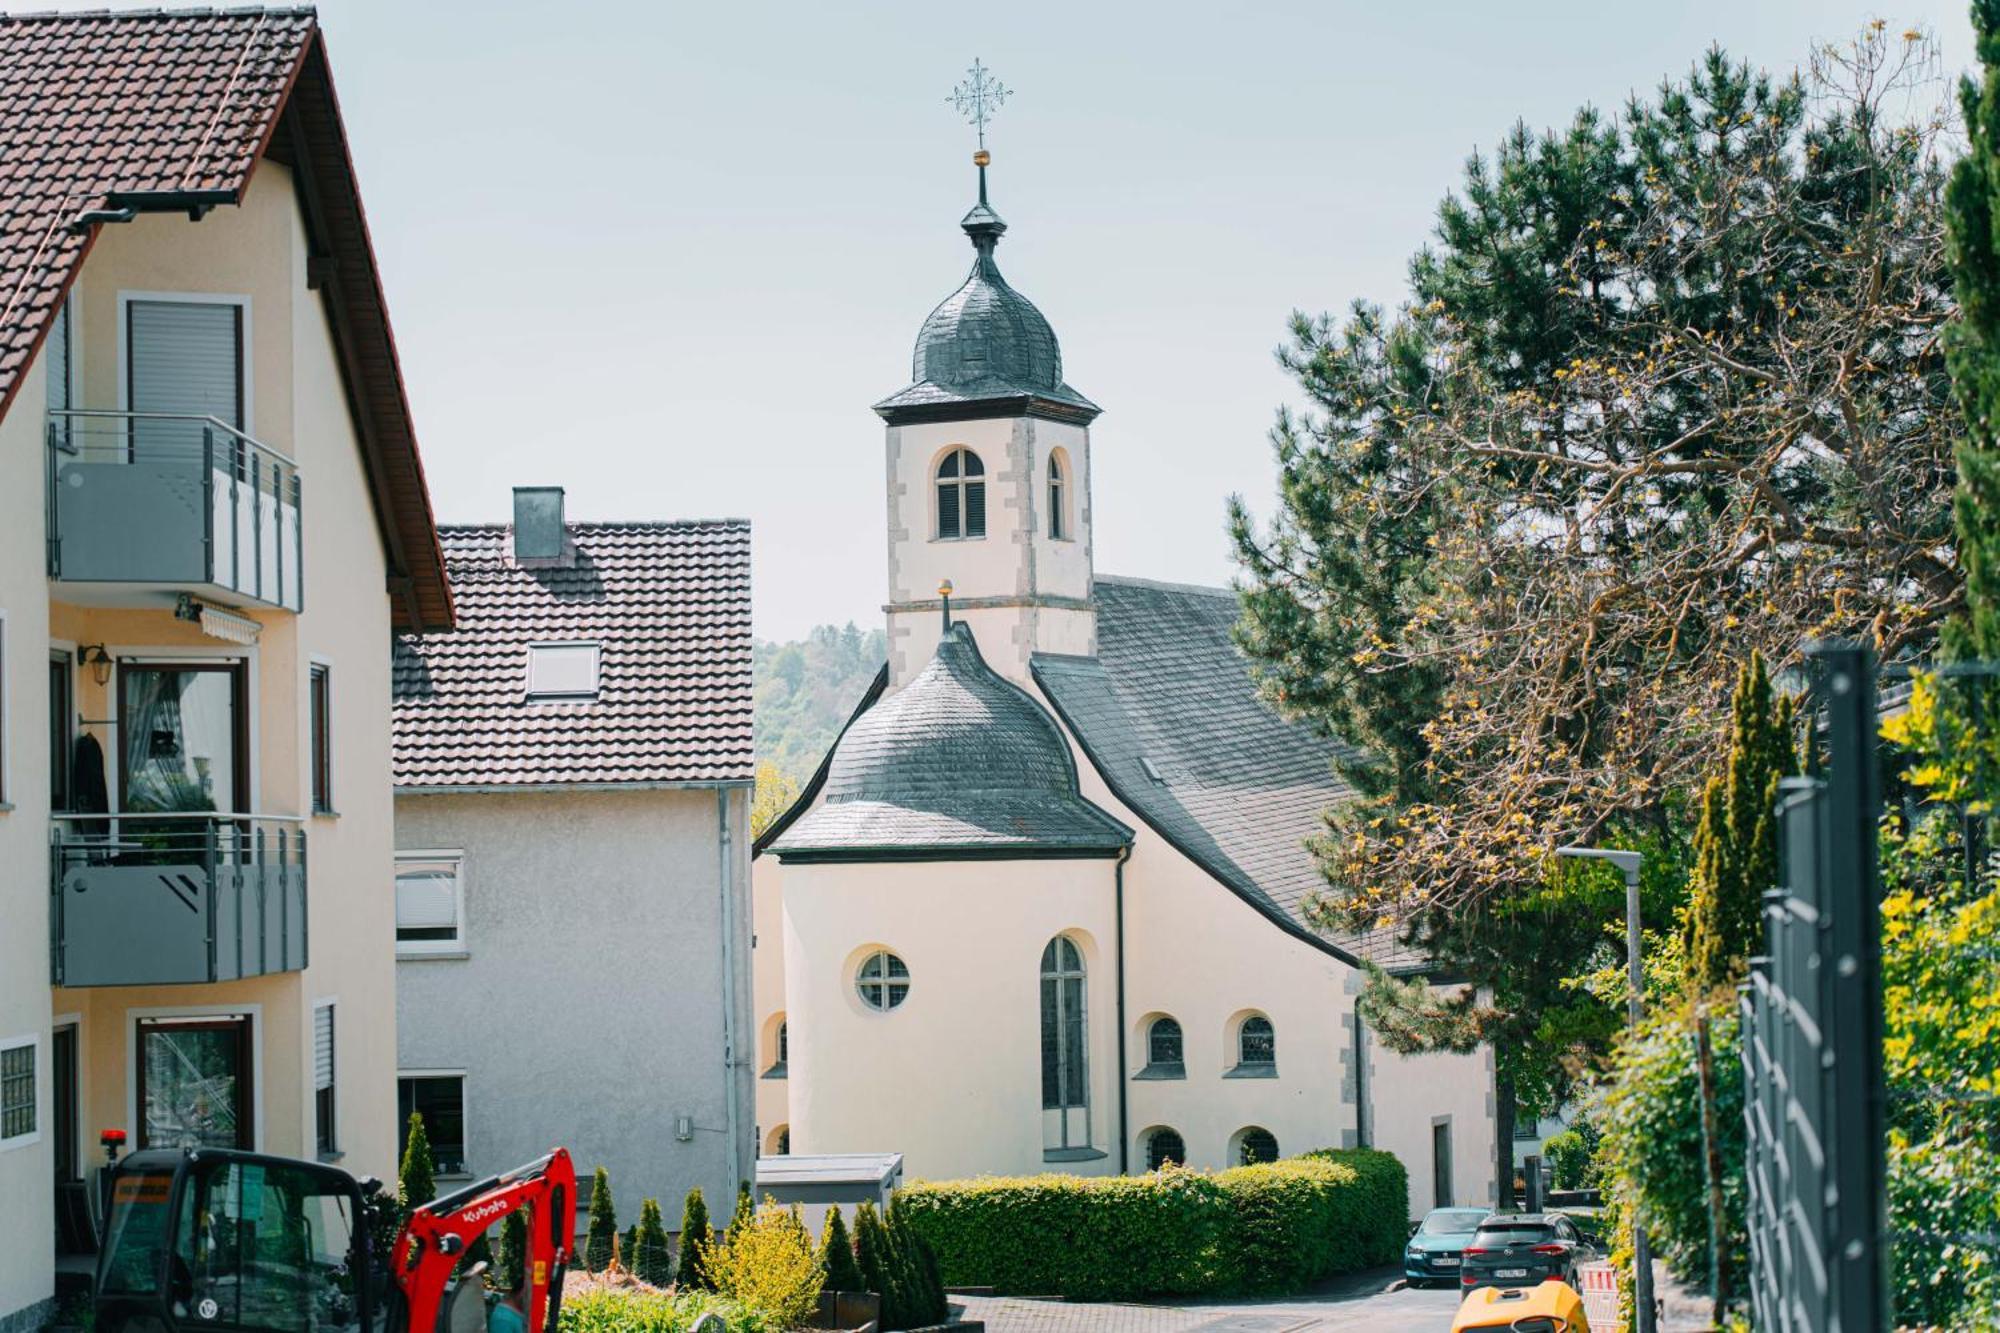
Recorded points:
511,1263
697,1236
1267,1228
875,1258
836,1250
648,1258
416,1183
597,1241
746,1209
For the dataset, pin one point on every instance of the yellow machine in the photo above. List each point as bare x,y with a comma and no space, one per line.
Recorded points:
1550,1307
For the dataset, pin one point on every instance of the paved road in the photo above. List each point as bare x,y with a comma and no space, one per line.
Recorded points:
1373,1301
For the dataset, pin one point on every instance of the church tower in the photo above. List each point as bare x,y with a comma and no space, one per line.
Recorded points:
988,477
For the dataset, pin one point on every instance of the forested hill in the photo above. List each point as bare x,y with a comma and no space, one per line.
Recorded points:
805,691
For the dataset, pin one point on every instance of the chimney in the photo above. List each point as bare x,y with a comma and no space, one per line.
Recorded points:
540,539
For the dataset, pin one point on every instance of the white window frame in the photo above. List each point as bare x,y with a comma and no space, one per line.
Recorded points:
464,1111
33,1042
534,695
331,1003
243,369
452,948
884,982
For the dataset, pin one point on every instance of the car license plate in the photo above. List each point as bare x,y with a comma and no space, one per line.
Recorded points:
1510,1272
1445,1261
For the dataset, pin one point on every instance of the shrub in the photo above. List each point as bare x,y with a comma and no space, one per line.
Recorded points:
649,1259
597,1241
697,1238
638,1310
1174,1232
836,1253
1569,1153
923,1302
876,1261
511,1261
416,1183
767,1263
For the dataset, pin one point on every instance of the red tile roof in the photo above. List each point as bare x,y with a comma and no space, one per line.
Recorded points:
670,605
191,100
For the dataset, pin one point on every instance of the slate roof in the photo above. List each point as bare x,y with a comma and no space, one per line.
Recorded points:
1238,789
106,110
958,762
986,349
670,602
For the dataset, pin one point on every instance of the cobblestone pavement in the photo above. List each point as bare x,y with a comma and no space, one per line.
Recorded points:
1372,1301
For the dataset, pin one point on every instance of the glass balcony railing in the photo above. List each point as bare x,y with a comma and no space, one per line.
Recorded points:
165,899
147,498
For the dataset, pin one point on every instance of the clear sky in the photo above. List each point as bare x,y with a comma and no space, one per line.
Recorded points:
666,255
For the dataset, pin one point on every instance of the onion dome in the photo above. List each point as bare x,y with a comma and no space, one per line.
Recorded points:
957,759
985,351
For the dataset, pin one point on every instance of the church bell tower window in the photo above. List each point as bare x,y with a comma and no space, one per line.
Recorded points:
961,496
1058,499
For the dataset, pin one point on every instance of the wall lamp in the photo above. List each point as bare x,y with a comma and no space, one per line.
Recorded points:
98,661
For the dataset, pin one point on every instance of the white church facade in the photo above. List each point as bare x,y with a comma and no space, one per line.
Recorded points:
1043,906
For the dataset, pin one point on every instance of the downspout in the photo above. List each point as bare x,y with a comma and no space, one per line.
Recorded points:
1124,1070
724,877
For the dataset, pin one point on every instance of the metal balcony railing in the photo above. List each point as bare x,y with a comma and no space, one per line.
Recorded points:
158,498
164,899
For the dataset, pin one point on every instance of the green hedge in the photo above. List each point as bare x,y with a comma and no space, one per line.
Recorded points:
643,1310
1265,1228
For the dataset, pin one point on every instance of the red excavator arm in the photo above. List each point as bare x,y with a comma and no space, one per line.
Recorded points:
428,1248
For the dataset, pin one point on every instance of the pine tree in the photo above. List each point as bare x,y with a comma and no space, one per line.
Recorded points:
417,1182
648,1258
873,1256
696,1238
597,1242
746,1209
1972,346
1736,843
836,1251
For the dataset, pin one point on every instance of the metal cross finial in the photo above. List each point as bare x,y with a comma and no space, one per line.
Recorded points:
978,97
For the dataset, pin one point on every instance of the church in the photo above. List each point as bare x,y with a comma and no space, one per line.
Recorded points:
1043,905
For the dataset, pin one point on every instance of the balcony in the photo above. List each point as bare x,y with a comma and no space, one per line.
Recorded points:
141,501
169,899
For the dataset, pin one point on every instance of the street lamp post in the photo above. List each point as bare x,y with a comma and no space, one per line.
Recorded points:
1629,863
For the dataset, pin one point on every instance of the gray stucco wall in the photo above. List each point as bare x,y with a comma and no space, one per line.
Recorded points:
588,1010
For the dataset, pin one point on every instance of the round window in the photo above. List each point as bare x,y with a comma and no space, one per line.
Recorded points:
884,980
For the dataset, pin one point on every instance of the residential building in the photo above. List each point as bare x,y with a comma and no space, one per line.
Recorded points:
212,517
573,777
1046,903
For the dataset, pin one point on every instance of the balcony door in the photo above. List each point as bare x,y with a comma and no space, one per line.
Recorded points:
182,359
194,1082
183,737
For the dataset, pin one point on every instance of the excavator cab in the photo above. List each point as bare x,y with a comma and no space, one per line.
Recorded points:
236,1242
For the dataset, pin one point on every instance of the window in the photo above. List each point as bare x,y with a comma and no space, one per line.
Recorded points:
323,1098
275,1248
430,903
781,1141
1165,1052
440,1100
884,980
1255,1146
563,670
1256,1046
183,362
17,1092
961,495
781,1042
6,793
195,1082
1063,1084
184,737
320,705
1163,1147
1058,499
62,744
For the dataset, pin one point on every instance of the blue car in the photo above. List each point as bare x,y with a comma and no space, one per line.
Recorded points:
1436,1251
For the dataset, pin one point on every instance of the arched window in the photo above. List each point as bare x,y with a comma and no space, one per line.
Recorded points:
884,980
961,495
1254,1146
1165,1052
1058,498
1164,1145
781,1141
781,1049
784,1042
1256,1043
1063,1083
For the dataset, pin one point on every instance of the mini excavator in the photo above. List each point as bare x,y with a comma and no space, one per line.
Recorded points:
201,1239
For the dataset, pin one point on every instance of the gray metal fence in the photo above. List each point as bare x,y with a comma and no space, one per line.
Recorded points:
1812,1035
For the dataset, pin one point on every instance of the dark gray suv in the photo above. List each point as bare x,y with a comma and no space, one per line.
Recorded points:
1522,1249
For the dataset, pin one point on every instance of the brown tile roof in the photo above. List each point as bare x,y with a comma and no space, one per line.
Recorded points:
99,104
670,602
